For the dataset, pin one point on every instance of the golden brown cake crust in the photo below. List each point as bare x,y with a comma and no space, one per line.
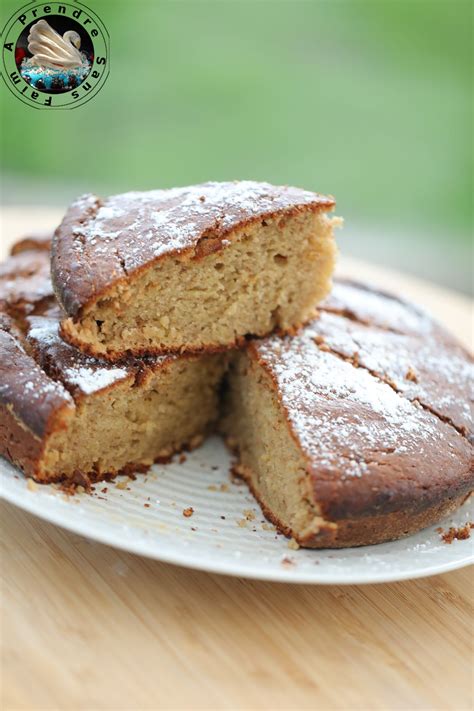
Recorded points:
26,390
401,345
102,242
361,531
31,404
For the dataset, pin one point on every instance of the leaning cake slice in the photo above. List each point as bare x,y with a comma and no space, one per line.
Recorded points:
191,269
356,430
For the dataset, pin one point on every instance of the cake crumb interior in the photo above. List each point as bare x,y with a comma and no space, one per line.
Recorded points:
132,423
269,459
268,275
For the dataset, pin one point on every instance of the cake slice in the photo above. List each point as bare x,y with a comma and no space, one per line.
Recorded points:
353,431
65,416
191,269
25,283
34,241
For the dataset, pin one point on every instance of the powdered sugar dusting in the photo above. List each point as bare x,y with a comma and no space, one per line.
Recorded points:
370,306
21,378
84,373
33,381
139,226
91,380
342,416
44,331
427,365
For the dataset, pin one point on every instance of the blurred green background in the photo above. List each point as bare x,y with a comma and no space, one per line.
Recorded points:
368,101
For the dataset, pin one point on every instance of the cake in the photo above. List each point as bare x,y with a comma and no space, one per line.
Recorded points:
65,416
25,283
38,241
356,430
199,268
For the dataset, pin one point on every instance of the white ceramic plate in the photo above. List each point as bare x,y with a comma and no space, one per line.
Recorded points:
227,532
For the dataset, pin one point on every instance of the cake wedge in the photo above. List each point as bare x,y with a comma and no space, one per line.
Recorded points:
357,430
191,269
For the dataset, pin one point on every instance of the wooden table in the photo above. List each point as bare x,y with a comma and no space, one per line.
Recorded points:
88,627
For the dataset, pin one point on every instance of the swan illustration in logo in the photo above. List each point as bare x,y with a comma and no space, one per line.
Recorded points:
56,62
49,49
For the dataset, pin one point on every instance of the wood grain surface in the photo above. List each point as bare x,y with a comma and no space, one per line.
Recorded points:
86,627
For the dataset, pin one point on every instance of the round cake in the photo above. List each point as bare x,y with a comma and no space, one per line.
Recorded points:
354,430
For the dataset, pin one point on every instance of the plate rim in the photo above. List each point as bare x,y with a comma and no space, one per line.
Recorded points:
233,568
